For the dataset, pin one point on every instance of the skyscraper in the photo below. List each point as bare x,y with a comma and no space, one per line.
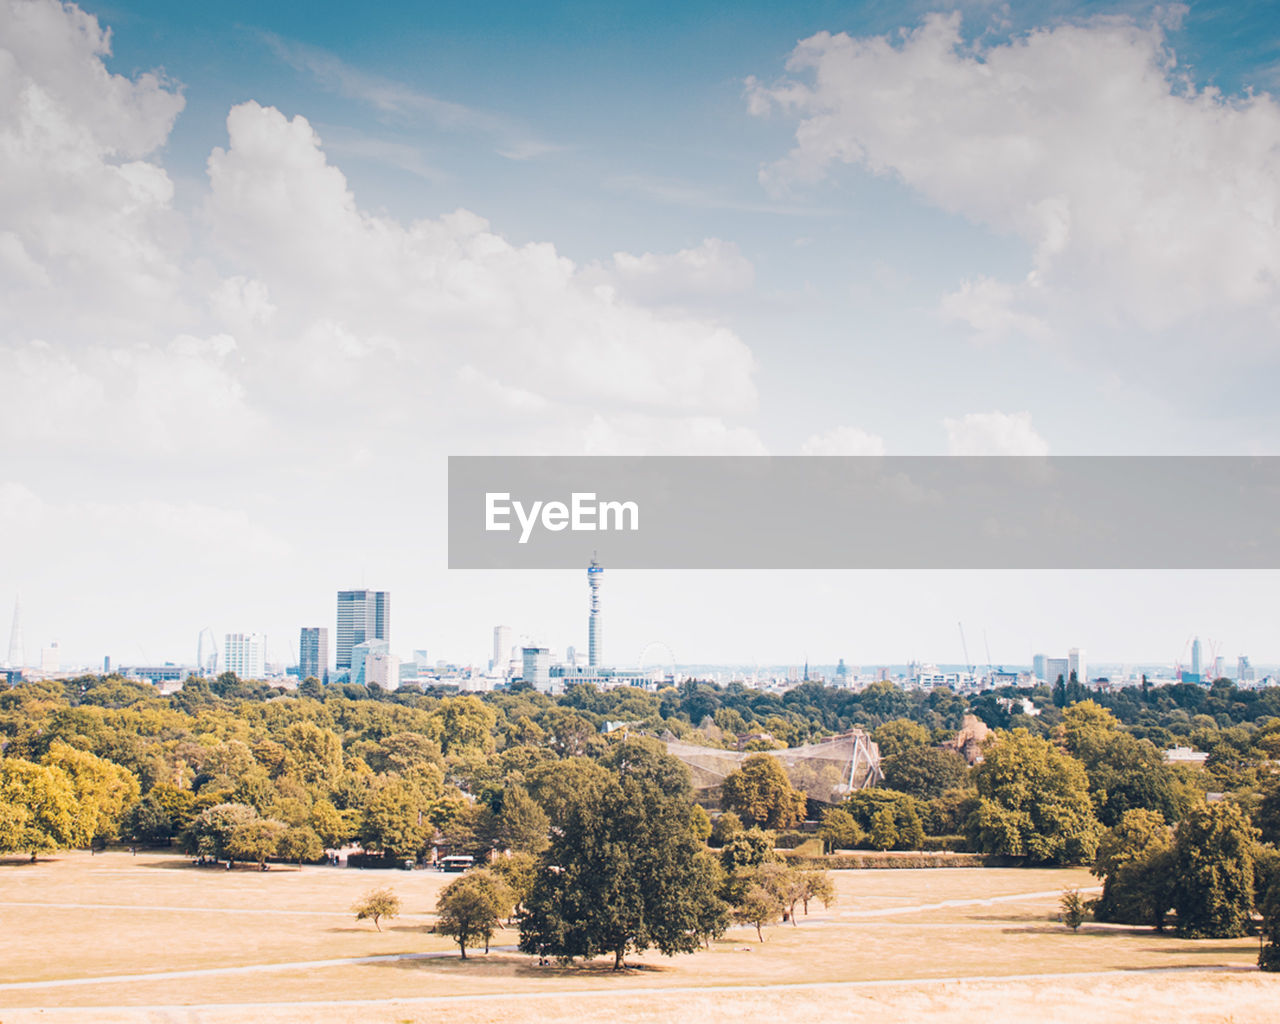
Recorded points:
502,645
313,653
595,628
1195,657
16,654
362,615
245,654
1076,665
1038,667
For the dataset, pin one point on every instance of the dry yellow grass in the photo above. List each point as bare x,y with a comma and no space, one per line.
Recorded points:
119,938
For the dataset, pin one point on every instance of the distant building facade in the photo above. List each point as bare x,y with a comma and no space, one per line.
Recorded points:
313,653
245,654
362,615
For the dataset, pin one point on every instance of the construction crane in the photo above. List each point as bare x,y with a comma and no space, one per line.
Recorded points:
212,665
964,644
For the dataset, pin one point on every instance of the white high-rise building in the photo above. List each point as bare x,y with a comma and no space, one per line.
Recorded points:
1055,668
1076,663
382,668
503,642
1195,657
245,654
50,660
362,655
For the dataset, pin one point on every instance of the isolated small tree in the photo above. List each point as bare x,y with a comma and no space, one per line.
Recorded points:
758,906
1074,908
816,885
377,904
472,908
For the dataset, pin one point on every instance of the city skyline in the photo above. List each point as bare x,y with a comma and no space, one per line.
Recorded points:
263,273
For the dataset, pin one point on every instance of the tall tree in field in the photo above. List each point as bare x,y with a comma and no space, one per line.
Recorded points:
38,809
376,904
1033,802
103,790
472,907
623,872
1213,869
1134,862
761,793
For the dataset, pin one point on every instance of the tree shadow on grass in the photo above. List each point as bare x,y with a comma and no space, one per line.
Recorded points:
522,966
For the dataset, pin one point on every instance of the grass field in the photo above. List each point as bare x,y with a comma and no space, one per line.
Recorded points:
151,938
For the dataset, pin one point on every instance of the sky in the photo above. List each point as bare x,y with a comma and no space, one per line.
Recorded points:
263,268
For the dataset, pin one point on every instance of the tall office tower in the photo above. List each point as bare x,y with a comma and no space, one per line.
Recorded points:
1055,667
362,615
1244,671
313,653
1195,657
245,654
537,667
16,654
50,659
1076,664
502,644
595,628
1037,667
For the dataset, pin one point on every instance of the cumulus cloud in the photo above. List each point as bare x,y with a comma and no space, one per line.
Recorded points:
1154,199
844,441
85,211
451,289
994,433
713,267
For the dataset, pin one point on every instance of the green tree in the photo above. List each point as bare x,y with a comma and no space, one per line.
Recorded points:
377,904
1133,862
472,908
38,809
757,906
518,870
900,735
210,832
925,772
522,824
816,885
761,793
257,840
1074,909
1213,865
748,849
903,812
724,828
620,874
884,836
396,819
839,830
1269,905
103,790
1033,802
300,844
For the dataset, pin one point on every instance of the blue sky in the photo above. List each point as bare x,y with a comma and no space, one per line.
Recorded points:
269,319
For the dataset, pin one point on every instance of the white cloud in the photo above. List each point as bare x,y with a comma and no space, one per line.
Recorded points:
1148,197
450,290
994,433
85,212
633,434
989,308
714,267
844,441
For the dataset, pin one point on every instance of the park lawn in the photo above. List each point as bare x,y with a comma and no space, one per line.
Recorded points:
886,927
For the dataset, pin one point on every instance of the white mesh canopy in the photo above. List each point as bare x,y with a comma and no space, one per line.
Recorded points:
826,771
